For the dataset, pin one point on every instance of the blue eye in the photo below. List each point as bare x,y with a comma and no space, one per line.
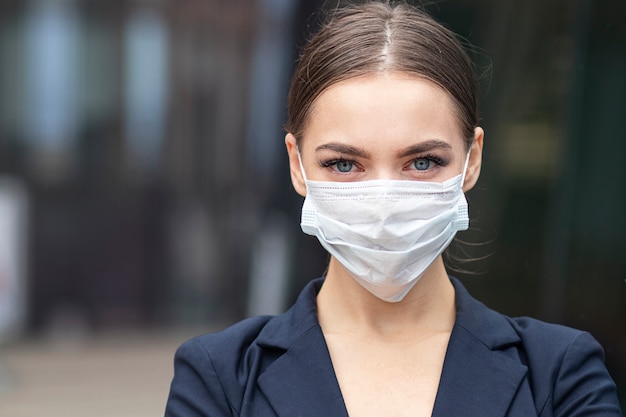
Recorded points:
422,164
344,166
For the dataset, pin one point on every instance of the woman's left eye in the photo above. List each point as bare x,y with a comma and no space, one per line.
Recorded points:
344,166
422,164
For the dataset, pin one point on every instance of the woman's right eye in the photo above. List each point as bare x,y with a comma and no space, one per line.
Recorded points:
342,166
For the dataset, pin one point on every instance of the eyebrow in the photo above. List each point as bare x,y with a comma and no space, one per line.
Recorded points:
422,147
344,149
426,146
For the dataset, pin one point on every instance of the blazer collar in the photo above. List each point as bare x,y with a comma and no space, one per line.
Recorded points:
296,381
481,374
480,377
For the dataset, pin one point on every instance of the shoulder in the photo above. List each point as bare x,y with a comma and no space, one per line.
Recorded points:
239,341
569,364
537,334
565,368
549,347
231,341
215,373
206,379
226,353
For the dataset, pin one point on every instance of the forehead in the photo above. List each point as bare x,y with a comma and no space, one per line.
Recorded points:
385,108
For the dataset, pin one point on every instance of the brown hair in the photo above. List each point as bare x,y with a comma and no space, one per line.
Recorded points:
377,37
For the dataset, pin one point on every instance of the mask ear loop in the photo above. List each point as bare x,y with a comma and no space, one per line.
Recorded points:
464,167
301,166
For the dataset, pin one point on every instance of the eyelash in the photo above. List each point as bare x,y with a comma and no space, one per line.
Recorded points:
333,162
432,158
429,157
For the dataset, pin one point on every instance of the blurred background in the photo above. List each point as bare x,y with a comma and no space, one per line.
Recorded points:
145,194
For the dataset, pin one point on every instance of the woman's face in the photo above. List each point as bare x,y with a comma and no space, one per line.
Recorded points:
383,126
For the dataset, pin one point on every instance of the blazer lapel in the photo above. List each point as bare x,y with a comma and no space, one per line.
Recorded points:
301,381
482,372
476,381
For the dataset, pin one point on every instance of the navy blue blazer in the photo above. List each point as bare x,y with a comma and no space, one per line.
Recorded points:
495,366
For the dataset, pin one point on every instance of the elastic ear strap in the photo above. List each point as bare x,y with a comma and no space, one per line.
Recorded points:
301,166
464,167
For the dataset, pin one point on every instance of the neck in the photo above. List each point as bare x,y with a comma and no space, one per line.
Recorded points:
344,306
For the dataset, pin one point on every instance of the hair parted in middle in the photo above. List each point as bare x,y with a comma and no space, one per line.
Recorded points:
377,37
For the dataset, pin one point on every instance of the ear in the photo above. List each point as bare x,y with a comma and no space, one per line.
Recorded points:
295,169
475,160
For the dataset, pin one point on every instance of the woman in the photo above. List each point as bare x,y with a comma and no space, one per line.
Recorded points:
383,141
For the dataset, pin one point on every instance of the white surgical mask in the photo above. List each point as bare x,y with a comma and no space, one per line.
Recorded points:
386,233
